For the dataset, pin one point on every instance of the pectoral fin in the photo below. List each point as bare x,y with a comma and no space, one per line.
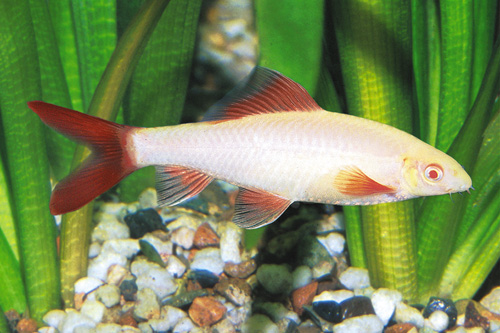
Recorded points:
256,208
353,181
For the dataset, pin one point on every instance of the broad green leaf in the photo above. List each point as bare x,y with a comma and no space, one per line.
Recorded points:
12,295
54,88
7,223
290,38
158,87
27,157
457,19
374,47
75,233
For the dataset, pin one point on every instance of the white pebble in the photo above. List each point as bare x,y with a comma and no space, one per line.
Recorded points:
116,274
141,266
109,295
175,267
129,329
337,295
112,208
365,324
108,328
184,325
54,318
164,248
355,278
183,219
110,228
75,319
169,317
322,268
230,243
158,280
47,329
333,242
335,222
148,198
87,284
384,303
94,310
94,250
438,320
147,306
407,314
492,301
98,267
183,237
208,259
301,276
126,247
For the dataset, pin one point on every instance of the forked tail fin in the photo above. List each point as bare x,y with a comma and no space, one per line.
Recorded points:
106,166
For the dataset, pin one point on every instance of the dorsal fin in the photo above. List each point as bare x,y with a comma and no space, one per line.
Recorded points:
263,91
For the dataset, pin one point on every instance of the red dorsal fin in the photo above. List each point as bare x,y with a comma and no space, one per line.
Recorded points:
177,183
263,91
352,181
256,208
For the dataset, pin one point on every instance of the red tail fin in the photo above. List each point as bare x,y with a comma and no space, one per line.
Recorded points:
106,166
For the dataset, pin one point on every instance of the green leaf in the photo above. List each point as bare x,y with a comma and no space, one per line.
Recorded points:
75,232
290,35
7,223
26,157
12,295
159,84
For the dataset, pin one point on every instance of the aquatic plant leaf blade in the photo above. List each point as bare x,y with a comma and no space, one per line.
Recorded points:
13,294
290,38
374,48
105,103
7,222
158,87
28,166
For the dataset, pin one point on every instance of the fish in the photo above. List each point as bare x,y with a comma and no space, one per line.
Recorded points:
268,137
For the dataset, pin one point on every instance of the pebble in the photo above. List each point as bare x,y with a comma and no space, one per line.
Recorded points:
366,324
355,278
206,311
236,291
183,236
175,267
165,248
438,321
74,320
109,228
94,250
26,325
184,325
492,301
230,243
241,270
356,306
98,267
143,221
401,328
208,259
116,274
407,314
109,295
87,284
147,306
303,296
148,198
328,310
259,323
384,303
334,295
441,304
205,236
54,318
108,328
141,266
276,311
333,242
126,247
334,222
276,279
301,277
474,319
94,310
322,269
158,280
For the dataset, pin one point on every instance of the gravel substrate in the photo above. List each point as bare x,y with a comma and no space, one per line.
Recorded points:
185,269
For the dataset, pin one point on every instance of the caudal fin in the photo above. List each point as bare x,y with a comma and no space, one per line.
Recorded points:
106,166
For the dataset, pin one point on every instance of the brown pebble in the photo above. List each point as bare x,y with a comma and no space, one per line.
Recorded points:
401,328
303,296
474,319
79,298
206,311
193,285
26,326
205,236
242,270
128,319
234,290
327,285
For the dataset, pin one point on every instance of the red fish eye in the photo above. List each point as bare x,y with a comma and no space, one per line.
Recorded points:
433,172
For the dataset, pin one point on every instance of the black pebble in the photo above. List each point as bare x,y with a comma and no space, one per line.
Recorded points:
128,288
356,306
143,221
442,304
205,278
328,310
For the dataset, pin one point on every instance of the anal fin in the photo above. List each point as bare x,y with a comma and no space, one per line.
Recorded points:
256,208
175,184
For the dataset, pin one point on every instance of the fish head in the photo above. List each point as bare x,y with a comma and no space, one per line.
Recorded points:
433,173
